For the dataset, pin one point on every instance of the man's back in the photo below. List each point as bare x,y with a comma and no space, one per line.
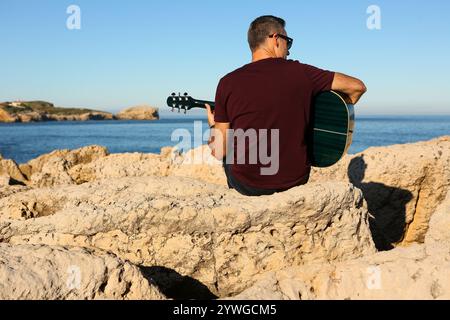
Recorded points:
272,93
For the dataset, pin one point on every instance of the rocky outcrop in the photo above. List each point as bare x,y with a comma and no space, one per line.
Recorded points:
172,215
6,191
419,271
33,111
10,173
36,117
403,185
30,272
12,179
94,115
120,166
206,232
143,112
197,163
52,169
6,116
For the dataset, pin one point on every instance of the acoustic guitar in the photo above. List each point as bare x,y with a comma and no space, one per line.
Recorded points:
332,124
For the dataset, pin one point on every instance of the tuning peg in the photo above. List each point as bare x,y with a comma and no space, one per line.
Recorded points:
185,94
184,111
173,94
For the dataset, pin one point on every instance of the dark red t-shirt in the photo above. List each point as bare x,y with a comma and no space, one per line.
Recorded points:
272,93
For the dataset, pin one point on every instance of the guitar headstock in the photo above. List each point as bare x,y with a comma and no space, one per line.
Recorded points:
180,102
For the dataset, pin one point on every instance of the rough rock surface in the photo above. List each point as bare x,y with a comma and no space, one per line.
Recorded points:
420,271
204,231
143,112
403,185
172,215
5,180
7,190
11,173
6,117
197,163
119,166
52,169
52,272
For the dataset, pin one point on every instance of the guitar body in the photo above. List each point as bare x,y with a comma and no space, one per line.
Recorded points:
332,123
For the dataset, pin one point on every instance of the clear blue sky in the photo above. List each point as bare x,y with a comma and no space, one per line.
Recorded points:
133,52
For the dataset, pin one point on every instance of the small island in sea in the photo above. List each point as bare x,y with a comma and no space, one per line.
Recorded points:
33,111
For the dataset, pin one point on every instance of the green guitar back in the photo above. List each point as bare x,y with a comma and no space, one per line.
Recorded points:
332,123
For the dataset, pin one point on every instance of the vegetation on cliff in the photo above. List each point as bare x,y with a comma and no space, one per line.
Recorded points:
42,106
30,111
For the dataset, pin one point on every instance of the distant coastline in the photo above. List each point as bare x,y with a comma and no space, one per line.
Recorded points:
37,111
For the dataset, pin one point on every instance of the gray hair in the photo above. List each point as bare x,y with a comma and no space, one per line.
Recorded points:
261,28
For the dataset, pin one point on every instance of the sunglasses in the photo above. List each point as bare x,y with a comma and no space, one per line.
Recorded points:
288,40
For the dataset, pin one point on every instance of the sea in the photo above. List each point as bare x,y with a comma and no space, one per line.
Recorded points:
25,141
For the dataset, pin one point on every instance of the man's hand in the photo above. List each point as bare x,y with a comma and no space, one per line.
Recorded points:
211,122
217,141
210,114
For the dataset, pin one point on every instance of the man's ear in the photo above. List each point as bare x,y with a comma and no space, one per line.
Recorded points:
274,38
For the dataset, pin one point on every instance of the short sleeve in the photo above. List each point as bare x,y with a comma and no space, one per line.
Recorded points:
321,79
220,110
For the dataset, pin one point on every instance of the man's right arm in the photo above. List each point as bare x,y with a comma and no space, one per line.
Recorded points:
352,87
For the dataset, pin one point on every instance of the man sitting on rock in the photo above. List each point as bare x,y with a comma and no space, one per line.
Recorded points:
267,104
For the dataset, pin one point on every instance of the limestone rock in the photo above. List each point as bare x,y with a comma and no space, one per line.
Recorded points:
11,171
143,112
440,223
93,162
54,272
415,272
81,155
120,166
204,231
7,190
4,180
402,184
7,117
174,212
403,273
52,168
199,164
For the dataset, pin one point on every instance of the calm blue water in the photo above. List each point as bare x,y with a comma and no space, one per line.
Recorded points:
25,141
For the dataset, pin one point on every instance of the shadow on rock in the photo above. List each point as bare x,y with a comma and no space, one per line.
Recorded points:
386,204
175,286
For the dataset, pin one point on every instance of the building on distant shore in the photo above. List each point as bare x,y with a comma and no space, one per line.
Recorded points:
16,103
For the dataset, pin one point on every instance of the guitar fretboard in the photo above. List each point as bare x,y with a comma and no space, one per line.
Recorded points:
201,104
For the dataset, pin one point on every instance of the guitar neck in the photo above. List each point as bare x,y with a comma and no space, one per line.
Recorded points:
201,104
